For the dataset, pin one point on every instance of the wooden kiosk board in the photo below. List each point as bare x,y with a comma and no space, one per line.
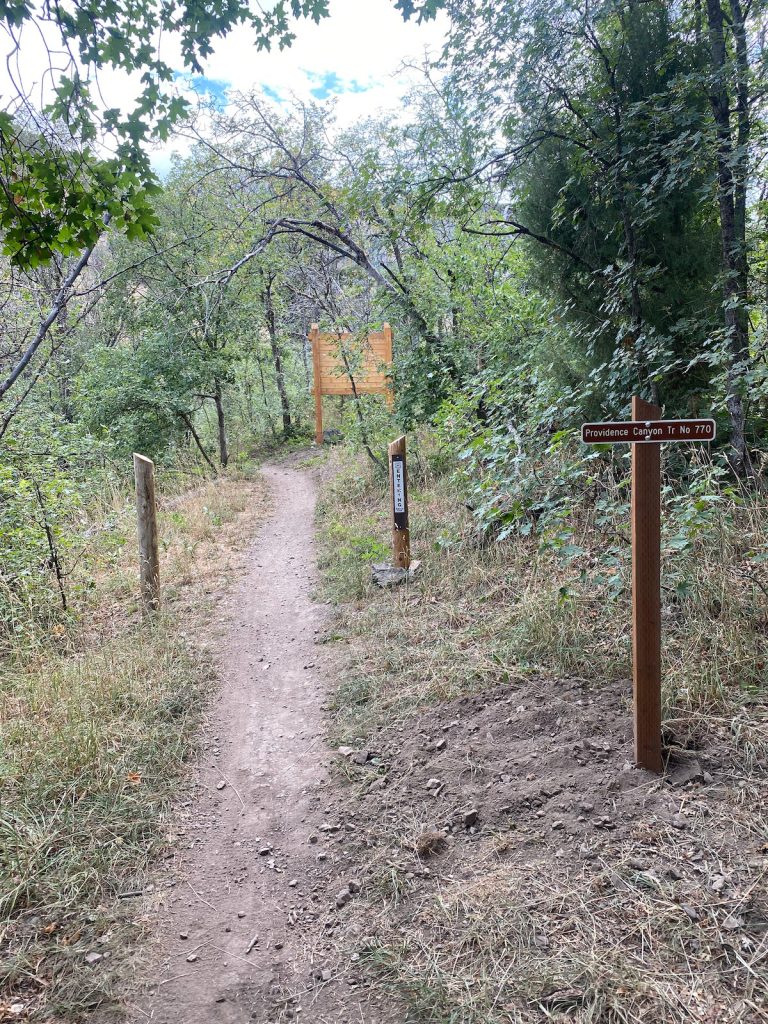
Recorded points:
340,358
645,432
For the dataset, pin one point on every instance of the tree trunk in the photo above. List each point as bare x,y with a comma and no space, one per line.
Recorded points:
277,359
187,421
223,449
731,195
264,397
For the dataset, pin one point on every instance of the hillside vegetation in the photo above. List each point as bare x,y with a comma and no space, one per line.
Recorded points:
517,867
567,208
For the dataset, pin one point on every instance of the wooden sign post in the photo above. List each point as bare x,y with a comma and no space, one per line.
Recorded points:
398,489
314,340
645,432
646,593
149,557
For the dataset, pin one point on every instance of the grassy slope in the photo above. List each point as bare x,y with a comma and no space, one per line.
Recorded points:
484,613
618,944
97,719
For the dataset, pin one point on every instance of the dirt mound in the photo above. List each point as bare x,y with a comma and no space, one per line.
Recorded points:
552,758
514,852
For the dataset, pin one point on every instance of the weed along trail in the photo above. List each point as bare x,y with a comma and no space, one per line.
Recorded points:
244,930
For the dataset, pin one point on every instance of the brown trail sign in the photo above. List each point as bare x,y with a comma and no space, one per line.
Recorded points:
645,432
344,365
634,432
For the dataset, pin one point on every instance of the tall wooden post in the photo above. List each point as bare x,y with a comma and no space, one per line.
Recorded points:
646,592
387,331
398,489
314,338
149,557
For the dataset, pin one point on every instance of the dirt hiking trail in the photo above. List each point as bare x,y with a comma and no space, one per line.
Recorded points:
243,932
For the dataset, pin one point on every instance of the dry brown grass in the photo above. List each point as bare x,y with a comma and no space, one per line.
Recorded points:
616,941
482,613
429,842
96,722
662,927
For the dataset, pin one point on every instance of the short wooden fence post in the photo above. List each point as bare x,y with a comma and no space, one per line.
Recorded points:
146,510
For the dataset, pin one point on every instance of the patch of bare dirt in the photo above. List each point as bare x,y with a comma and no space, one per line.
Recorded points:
513,851
550,758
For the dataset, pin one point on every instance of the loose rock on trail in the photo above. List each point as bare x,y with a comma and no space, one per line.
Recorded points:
253,894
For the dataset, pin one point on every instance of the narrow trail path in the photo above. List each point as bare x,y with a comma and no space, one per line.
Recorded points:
258,860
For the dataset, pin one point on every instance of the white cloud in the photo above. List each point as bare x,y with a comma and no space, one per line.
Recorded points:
357,53
353,59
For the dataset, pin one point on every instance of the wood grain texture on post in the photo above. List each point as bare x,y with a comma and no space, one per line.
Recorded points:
146,510
398,489
388,356
646,592
314,338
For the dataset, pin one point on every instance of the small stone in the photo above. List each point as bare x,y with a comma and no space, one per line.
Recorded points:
441,744
278,945
183,935
322,856
432,784
678,821
690,911
684,774
220,785
192,958
343,896
354,885
313,839
586,853
558,825
293,883
92,958
470,817
732,922
346,751
241,913
605,822
264,851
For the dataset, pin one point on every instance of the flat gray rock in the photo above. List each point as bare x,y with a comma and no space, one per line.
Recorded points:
386,575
